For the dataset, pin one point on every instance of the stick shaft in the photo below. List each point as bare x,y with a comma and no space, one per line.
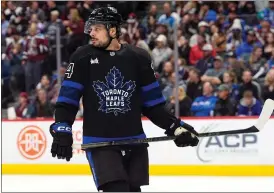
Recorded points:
165,138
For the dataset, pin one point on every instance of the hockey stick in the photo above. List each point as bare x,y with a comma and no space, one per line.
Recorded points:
262,120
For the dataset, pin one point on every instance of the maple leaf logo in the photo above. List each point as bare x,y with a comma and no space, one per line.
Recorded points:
114,95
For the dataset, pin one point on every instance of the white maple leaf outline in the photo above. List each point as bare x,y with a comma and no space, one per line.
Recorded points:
115,75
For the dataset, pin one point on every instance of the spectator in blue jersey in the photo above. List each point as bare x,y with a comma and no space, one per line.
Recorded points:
204,105
246,48
167,18
206,13
249,105
268,13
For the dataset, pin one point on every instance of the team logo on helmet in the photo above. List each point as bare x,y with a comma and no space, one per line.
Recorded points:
114,95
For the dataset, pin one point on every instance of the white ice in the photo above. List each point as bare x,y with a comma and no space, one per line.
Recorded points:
42,183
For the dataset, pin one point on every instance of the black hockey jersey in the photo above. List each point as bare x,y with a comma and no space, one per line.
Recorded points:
117,87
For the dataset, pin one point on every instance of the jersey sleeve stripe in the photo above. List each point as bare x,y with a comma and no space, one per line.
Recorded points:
62,99
73,84
154,102
150,86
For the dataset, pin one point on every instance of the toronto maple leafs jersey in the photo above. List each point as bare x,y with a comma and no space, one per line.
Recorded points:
116,87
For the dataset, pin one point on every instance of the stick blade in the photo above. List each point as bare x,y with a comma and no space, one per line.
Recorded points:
265,114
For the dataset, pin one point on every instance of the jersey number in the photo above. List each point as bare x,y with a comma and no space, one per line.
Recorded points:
69,71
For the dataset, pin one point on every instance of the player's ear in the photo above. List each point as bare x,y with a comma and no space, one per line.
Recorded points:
112,32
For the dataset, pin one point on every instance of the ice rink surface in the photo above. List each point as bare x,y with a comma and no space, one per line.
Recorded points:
38,183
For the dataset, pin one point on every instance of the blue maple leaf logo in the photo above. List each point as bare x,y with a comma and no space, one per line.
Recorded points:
114,95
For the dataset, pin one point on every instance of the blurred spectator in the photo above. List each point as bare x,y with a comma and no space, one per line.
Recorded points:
139,38
246,7
44,83
17,76
166,73
225,106
40,26
4,25
35,51
235,36
249,106
75,29
196,52
51,30
234,65
230,79
152,14
246,47
167,18
51,5
262,31
19,21
133,25
66,12
256,62
161,52
183,46
206,13
204,105
34,9
214,75
207,61
13,39
268,90
270,63
184,102
194,84
202,30
86,9
248,84
21,108
268,13
41,107
218,39
167,91
269,45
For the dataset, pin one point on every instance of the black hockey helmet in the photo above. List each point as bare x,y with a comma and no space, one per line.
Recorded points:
108,16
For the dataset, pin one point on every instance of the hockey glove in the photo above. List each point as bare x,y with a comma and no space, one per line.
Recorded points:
185,132
62,141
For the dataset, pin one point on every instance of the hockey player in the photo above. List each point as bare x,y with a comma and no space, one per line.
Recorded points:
117,85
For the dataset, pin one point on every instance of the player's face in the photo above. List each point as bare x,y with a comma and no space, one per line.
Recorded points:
99,35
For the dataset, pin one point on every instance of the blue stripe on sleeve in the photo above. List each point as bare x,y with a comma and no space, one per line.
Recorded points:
150,86
62,99
72,84
154,102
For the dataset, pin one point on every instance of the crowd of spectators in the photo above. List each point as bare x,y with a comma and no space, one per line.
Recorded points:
225,49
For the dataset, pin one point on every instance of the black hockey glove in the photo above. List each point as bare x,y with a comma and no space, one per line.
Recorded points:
185,132
62,141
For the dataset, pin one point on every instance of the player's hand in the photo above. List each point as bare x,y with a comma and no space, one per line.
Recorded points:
62,141
185,132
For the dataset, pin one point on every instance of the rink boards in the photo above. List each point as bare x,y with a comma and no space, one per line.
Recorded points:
26,150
